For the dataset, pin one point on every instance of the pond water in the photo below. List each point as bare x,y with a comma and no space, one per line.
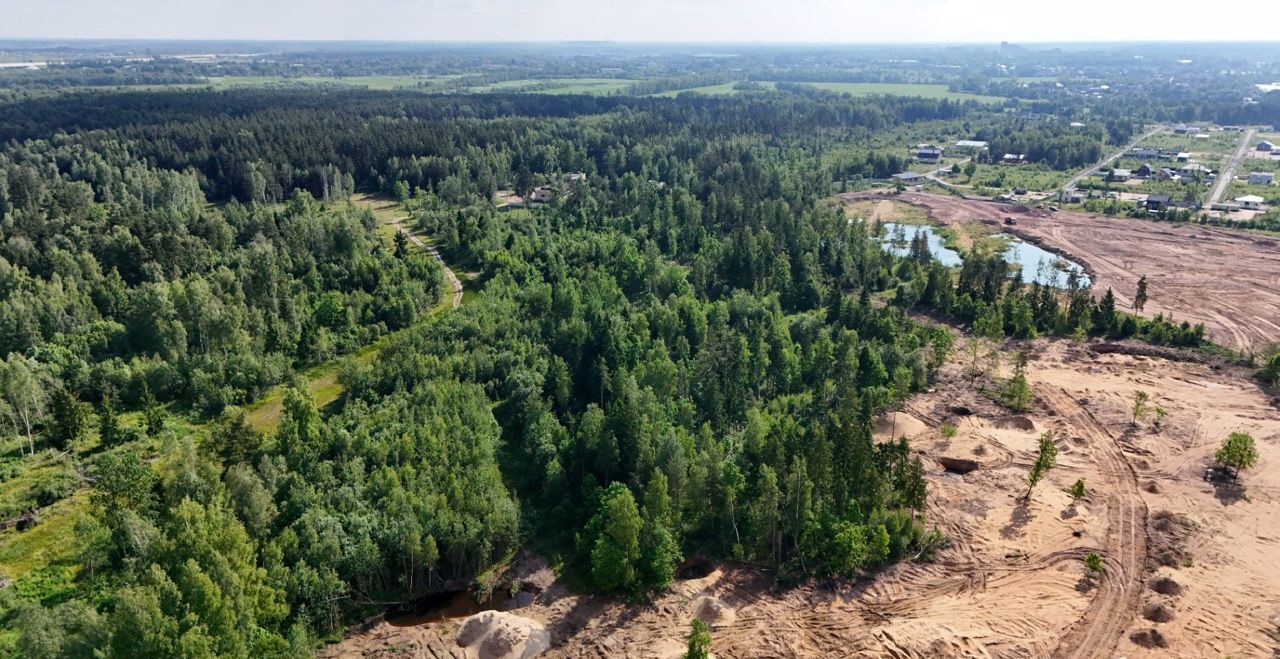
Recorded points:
1036,263
897,241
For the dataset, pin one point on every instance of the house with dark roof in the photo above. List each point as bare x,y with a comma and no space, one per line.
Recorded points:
1157,202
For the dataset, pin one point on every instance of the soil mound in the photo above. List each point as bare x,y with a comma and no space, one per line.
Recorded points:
1166,586
1015,422
498,635
1149,638
1157,613
713,611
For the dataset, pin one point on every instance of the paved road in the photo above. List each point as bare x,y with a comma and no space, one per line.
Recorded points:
1075,180
1229,172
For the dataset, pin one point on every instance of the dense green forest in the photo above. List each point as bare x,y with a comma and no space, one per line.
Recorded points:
685,354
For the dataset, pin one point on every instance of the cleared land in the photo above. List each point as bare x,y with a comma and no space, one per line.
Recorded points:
1183,557
1228,280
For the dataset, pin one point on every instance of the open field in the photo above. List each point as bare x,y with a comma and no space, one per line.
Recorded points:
1176,549
590,86
1228,280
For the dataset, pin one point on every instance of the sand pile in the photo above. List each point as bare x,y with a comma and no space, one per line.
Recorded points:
499,635
713,611
1166,586
1157,613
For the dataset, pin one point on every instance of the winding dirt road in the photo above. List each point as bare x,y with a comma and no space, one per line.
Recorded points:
1116,602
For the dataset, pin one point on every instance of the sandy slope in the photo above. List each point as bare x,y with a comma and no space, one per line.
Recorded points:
1012,583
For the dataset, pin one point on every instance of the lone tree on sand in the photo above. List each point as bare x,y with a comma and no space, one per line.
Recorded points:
1237,452
699,641
1093,563
1044,461
1140,298
1077,490
1140,407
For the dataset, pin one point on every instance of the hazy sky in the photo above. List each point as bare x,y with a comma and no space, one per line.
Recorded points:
647,20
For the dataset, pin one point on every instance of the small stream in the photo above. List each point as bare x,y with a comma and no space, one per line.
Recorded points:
1035,262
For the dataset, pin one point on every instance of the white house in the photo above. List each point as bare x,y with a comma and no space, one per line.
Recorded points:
1250,202
1261,178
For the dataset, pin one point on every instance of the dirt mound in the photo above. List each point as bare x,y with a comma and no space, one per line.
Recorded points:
1015,422
1157,613
498,635
1168,538
713,611
1166,586
1149,638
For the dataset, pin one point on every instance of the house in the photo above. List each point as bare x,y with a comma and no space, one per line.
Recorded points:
1183,156
1012,158
1157,202
1191,168
1072,196
1265,146
541,194
573,178
1261,178
928,153
1180,129
971,146
1145,171
911,178
1119,175
1145,152
1250,202
1166,174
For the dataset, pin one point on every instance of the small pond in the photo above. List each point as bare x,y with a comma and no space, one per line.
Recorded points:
1036,263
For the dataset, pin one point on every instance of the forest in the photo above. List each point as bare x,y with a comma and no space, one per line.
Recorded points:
685,354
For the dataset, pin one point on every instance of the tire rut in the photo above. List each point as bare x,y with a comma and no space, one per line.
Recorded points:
1116,603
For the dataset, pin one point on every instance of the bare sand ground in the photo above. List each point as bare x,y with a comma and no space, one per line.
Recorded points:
1229,280
1189,567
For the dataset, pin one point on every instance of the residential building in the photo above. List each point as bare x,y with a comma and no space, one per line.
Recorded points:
1265,146
1251,202
911,178
1261,178
1145,171
1157,202
1119,175
928,153
540,195
970,146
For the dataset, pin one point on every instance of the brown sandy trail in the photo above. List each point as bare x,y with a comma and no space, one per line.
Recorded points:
1228,280
1117,601
386,211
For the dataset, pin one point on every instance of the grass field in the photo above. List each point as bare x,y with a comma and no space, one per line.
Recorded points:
590,86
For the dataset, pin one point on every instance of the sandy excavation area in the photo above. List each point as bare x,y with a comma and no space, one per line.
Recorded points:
1190,567
1228,280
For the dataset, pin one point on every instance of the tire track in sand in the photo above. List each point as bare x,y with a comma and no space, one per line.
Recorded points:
1116,603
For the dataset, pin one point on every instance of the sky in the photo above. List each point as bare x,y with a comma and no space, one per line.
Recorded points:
826,21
